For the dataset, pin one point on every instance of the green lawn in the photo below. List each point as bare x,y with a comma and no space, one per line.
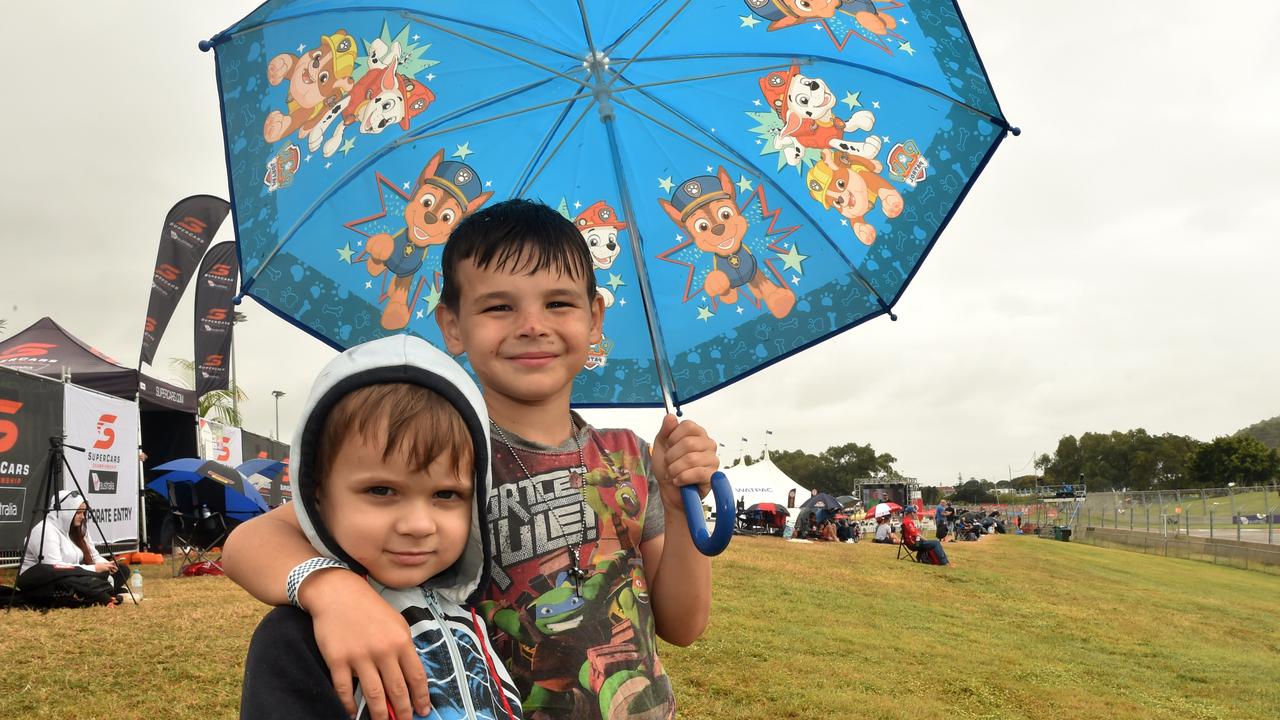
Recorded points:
1019,627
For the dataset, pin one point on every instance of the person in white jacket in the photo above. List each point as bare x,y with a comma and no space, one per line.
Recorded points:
61,540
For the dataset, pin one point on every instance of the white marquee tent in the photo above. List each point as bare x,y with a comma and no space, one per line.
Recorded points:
765,482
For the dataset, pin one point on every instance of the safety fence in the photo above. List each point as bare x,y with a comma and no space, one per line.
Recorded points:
1242,514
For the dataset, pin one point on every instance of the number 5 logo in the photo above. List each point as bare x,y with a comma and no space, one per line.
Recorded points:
8,428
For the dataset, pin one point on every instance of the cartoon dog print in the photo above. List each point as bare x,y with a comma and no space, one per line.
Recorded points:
705,207
786,13
789,13
381,97
318,79
869,15
600,227
447,191
807,107
851,184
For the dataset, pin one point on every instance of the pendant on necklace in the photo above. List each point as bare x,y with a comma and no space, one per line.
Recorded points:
575,570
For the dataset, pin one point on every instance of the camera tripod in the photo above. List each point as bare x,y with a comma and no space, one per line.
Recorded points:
46,504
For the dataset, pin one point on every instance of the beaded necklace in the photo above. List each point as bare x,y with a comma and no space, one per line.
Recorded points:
577,476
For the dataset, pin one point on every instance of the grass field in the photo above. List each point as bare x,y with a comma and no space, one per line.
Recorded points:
1018,628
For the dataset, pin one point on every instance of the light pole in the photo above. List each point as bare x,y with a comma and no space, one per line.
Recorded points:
277,394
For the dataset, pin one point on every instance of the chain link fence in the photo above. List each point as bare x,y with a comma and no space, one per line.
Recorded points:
1245,514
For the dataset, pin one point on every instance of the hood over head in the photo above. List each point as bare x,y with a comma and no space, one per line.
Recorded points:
396,359
64,507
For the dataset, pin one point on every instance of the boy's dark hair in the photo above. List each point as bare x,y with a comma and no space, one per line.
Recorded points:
516,235
418,422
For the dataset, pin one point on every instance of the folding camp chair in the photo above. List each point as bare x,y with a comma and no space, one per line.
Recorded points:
196,529
904,551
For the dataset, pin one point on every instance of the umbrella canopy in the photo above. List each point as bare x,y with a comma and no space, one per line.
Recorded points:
746,187
822,501
883,509
214,482
774,508
767,185
847,501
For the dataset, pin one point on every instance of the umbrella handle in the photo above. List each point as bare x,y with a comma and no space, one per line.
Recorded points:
714,543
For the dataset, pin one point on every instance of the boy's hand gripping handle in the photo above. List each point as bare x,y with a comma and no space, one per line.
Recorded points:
714,543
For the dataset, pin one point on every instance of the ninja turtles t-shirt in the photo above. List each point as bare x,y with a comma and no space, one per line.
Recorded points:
580,647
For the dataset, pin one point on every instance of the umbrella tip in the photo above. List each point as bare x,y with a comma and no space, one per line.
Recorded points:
1016,131
206,45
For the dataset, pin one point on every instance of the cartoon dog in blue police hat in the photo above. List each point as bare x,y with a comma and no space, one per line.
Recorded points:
786,13
447,192
706,208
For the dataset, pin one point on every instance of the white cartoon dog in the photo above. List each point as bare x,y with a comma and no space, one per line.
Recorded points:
380,98
806,106
600,227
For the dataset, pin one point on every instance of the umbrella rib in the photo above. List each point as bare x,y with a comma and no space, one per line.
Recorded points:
655,35
694,78
741,161
811,59
676,132
524,184
381,152
636,25
586,28
501,51
502,116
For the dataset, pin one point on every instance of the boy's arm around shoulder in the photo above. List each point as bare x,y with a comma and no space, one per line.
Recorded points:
679,575
284,673
258,556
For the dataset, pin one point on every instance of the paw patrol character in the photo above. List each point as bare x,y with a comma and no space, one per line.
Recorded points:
600,227
851,185
317,81
786,13
868,15
381,97
705,207
447,192
806,106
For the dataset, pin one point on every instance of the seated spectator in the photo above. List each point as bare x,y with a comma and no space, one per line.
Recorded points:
968,530
827,531
58,553
842,530
884,531
927,551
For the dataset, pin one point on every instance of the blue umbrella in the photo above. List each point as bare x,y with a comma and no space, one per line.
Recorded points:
240,499
751,178
266,467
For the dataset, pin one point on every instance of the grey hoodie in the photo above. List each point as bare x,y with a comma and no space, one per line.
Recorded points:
466,679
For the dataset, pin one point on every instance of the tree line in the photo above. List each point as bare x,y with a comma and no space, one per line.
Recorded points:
1137,460
1131,460
836,469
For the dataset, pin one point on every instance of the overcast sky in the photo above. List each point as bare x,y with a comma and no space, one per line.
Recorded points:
1110,269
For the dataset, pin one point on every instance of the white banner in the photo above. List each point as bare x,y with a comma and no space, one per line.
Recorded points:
107,471
221,443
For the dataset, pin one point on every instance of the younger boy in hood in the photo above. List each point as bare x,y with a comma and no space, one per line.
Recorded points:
391,466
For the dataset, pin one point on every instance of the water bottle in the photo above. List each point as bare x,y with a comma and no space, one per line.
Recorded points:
135,585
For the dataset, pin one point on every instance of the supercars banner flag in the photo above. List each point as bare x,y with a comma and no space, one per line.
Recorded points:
30,414
187,230
215,293
221,443
107,471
